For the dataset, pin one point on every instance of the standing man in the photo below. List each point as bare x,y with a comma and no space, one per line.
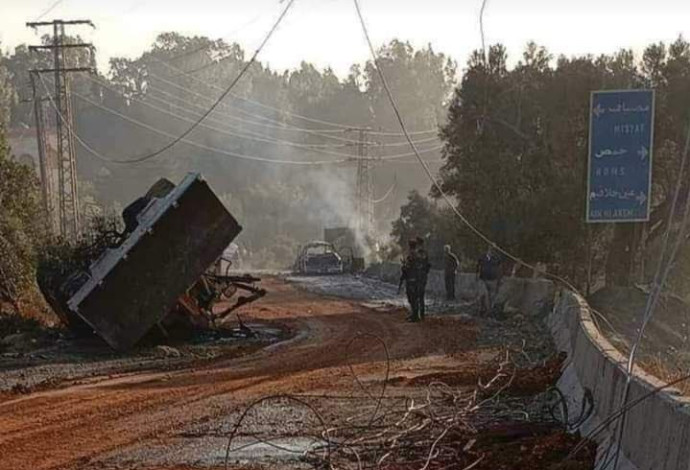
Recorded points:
489,272
424,268
410,276
450,268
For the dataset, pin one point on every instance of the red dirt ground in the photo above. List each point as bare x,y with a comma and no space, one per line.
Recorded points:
66,428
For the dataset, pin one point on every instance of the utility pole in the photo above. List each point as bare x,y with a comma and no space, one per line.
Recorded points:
364,187
68,195
44,157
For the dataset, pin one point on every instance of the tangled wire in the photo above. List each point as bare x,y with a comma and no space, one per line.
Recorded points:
436,428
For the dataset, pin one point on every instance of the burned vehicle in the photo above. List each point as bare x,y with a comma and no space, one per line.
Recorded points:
161,267
318,257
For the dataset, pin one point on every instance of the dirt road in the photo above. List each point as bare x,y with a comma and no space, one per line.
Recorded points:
80,426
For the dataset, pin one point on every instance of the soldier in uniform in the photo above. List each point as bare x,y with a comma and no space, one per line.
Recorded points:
410,277
450,268
424,267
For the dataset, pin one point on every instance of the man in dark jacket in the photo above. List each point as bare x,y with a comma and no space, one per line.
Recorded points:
409,275
489,271
450,268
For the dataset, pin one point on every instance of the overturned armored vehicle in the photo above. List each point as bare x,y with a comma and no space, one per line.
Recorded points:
160,266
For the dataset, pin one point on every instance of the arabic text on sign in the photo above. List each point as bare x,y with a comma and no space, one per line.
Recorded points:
622,195
620,108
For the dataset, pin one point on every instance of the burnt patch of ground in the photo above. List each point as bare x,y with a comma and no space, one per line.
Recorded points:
419,424
19,333
522,447
42,359
511,379
526,334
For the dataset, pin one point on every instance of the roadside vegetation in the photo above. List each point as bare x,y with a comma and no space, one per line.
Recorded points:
22,232
515,160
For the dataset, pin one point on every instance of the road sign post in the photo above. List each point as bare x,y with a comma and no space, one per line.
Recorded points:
621,136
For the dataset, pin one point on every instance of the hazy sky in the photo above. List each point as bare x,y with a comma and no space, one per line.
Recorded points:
326,32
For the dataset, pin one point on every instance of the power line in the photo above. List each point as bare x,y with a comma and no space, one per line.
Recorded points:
262,105
222,96
340,126
49,9
62,69
248,135
387,193
281,125
256,18
236,155
481,29
154,129
255,137
425,166
205,126
662,272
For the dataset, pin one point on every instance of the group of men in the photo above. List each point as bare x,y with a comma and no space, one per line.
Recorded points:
415,272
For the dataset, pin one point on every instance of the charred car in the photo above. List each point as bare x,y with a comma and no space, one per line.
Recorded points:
318,257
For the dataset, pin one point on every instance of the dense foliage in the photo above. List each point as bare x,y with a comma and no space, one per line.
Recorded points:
143,101
516,154
21,227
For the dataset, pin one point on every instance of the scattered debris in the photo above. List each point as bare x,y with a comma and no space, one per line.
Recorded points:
168,351
17,341
510,379
157,267
446,427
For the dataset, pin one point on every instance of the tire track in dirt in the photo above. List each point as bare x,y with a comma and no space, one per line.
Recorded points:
70,427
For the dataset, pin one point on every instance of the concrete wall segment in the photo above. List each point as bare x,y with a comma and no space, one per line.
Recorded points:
657,431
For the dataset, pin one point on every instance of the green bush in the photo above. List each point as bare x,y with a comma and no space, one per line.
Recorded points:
22,227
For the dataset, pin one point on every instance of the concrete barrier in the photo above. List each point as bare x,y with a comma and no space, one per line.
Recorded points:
529,296
656,435
657,430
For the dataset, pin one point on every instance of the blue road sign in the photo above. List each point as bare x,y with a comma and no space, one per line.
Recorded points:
621,135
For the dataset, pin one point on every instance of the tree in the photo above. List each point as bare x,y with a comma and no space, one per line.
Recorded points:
516,151
21,227
421,217
7,93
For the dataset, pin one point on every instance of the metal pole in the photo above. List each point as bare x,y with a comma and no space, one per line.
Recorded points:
57,77
68,186
40,142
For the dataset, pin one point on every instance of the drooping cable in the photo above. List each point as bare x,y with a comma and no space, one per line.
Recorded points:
660,277
225,93
344,156
339,126
236,155
425,166
233,130
387,193
52,7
